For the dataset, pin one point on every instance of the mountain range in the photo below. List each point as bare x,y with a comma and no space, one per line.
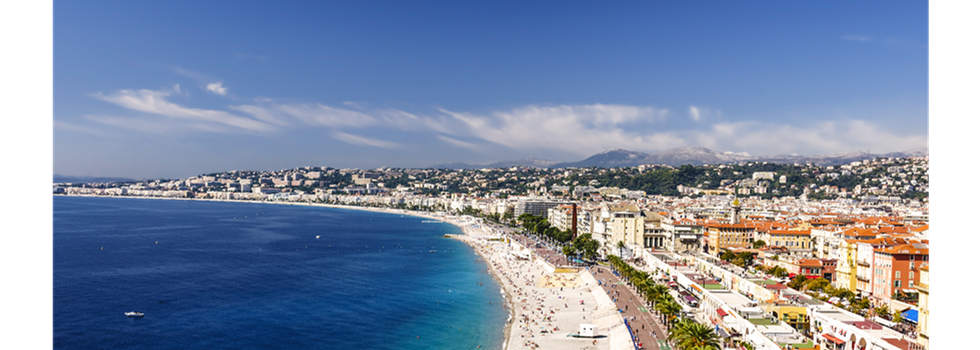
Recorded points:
687,155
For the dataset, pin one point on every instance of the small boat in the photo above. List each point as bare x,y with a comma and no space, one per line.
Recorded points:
317,236
134,314
432,251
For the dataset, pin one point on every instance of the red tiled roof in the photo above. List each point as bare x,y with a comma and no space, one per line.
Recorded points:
809,262
905,249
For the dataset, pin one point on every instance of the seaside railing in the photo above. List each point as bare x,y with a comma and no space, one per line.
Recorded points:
632,336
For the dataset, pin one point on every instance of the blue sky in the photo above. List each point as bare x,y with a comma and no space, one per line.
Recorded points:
176,89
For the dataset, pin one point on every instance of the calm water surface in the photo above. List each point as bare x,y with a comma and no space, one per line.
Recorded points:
252,275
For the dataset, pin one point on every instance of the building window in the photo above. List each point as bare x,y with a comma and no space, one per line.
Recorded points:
898,274
911,275
898,284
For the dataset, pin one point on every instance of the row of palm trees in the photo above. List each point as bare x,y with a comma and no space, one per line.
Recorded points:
683,333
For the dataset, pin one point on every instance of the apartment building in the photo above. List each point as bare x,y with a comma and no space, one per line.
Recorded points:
534,207
683,234
728,235
793,240
923,288
561,217
865,260
898,268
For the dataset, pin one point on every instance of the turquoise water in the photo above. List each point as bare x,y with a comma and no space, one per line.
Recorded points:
252,275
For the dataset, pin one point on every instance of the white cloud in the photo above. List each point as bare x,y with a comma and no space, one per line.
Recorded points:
458,143
133,124
365,141
218,89
155,102
316,114
577,129
581,129
817,138
321,115
177,88
263,114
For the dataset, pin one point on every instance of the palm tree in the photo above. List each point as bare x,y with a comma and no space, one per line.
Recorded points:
881,310
620,245
689,335
658,290
672,309
897,316
668,309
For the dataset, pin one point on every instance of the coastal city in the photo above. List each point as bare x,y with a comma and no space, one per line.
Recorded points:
436,175
749,255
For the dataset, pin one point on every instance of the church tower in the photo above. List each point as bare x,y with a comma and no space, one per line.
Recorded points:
736,209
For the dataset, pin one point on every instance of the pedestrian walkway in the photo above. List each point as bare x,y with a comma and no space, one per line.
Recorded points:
640,319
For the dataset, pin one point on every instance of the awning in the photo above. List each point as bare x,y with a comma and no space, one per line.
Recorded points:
911,315
884,321
721,313
690,298
833,339
721,331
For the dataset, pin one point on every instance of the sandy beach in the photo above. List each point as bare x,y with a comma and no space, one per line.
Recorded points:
548,306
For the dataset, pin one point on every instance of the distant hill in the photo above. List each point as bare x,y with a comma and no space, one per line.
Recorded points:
687,155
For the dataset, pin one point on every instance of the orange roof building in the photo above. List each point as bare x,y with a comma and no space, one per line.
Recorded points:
898,267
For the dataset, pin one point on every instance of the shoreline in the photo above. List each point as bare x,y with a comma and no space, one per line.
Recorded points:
509,300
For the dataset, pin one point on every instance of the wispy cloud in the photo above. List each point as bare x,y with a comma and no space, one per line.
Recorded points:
137,124
458,143
577,129
695,114
200,78
582,129
854,37
816,138
321,115
217,88
364,141
155,102
316,114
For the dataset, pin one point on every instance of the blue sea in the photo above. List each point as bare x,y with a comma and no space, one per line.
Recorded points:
221,275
